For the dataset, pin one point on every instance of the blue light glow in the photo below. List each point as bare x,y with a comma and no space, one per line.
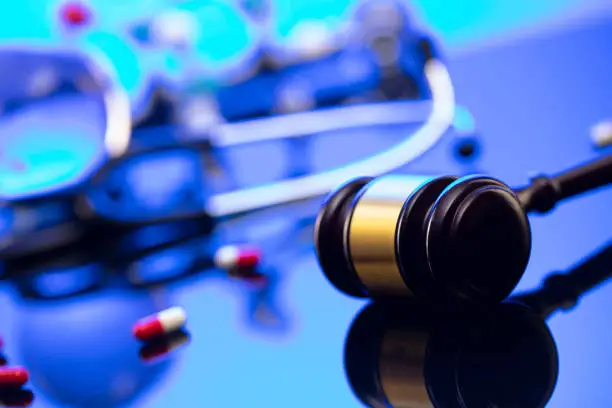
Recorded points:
464,121
225,32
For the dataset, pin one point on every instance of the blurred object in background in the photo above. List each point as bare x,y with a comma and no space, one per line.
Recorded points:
92,359
176,30
160,111
308,40
166,158
75,15
145,258
468,147
258,10
340,61
601,134
386,29
63,117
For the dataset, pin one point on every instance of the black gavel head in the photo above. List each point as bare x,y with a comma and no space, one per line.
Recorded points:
440,239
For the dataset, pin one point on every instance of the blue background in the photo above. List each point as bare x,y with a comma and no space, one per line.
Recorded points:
535,75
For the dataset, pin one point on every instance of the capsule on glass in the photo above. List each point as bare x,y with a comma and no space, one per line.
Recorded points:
235,257
13,377
159,324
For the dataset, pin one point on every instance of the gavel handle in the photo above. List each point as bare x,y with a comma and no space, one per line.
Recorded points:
544,192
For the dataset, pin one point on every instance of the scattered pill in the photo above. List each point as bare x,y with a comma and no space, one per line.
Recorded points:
159,324
601,134
76,14
235,257
156,350
13,377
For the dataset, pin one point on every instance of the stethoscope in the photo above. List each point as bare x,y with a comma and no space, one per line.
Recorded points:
436,116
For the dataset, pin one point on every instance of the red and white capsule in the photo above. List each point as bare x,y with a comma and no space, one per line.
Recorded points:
235,257
162,323
75,14
13,377
601,134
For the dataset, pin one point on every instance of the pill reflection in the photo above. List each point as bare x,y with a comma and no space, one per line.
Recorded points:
159,349
16,398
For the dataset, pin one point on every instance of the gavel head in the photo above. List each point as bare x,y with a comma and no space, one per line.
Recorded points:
440,239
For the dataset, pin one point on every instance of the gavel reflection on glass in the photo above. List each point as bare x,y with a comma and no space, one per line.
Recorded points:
403,354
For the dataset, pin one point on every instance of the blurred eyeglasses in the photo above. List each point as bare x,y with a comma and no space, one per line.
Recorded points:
171,183
63,116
